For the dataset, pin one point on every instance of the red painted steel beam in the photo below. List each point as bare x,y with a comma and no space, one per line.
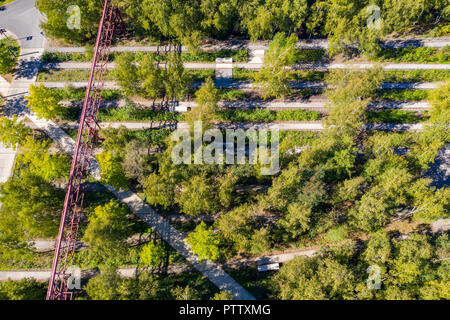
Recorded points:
87,132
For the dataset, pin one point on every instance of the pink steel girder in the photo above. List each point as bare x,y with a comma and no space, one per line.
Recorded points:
66,241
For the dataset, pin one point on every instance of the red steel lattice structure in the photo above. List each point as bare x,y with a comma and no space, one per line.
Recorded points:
87,133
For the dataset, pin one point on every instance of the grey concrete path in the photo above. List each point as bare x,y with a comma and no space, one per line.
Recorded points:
263,45
257,65
313,104
247,85
286,125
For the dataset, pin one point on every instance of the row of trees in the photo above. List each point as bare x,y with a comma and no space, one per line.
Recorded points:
344,22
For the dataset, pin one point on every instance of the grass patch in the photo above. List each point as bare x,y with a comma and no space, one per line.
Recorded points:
309,55
202,56
241,74
71,93
307,75
68,75
133,114
416,76
394,116
414,54
266,115
402,94
54,57
201,75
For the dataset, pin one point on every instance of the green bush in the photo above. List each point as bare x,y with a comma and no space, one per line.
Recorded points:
402,94
337,234
394,116
414,54
416,75
309,55
266,115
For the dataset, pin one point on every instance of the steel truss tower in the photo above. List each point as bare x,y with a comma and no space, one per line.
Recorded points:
60,278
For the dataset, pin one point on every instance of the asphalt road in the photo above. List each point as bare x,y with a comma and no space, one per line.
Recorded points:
22,18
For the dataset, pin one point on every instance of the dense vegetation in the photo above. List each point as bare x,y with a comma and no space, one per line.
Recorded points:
345,23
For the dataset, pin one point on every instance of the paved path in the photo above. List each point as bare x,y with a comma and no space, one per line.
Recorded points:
263,45
284,126
247,85
313,104
257,65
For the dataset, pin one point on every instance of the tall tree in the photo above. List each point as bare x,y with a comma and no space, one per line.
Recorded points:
12,132
107,230
263,18
272,78
204,243
44,102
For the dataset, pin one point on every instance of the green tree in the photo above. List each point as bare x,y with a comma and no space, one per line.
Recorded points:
207,98
126,73
34,203
185,293
226,184
297,221
137,164
111,170
106,286
223,295
151,77
272,78
57,15
44,102
197,196
12,132
107,230
152,254
440,104
399,15
204,243
237,228
175,78
25,289
322,277
35,157
262,18
7,60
